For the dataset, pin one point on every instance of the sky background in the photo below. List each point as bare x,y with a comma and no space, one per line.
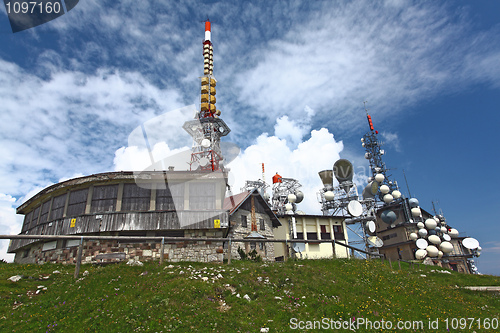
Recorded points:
292,79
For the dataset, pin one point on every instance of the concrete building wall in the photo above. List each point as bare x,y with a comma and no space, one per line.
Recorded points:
311,227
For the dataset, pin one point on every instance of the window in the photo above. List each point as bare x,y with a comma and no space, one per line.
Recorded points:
262,224
244,223
324,233
104,198
261,245
201,196
135,198
27,221
77,202
338,232
58,207
34,221
253,245
312,235
170,198
300,235
45,212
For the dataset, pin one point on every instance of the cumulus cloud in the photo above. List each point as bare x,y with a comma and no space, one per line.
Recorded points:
302,163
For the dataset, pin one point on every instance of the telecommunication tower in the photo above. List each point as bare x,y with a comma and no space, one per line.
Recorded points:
286,194
207,128
380,184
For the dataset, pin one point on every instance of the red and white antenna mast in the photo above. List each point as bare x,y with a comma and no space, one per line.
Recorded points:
207,128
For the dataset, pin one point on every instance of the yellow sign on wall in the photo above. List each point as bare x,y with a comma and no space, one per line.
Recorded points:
72,224
216,223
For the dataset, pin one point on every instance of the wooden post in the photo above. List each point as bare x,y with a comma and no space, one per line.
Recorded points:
229,250
390,263
79,259
399,263
285,253
333,249
162,249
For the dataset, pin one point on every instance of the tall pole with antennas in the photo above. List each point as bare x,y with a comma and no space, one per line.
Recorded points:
207,128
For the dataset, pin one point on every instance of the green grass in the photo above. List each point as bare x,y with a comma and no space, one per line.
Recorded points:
119,298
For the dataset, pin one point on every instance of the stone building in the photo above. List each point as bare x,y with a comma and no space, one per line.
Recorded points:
250,217
152,203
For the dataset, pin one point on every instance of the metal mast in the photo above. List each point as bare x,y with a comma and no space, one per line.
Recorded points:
207,128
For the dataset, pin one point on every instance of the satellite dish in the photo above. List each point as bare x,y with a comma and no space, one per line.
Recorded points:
444,230
374,187
422,232
292,198
367,191
432,232
415,212
343,171
420,225
299,212
329,196
434,240
396,194
298,247
384,189
470,243
354,208
375,241
446,237
432,251
388,198
370,227
413,202
440,254
446,247
379,177
289,207
388,216
203,161
205,143
422,243
413,236
420,254
430,224
453,233
368,156
326,177
300,197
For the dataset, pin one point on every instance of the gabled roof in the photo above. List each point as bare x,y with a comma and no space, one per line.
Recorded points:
234,202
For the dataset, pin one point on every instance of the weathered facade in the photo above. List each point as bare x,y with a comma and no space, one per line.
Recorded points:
155,203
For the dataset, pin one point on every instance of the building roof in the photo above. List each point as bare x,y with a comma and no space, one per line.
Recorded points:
234,202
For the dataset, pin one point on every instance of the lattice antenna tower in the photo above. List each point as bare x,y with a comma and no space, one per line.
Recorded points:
286,195
259,184
374,153
207,128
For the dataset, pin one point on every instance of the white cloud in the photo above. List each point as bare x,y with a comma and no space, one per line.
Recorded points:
391,139
9,223
302,163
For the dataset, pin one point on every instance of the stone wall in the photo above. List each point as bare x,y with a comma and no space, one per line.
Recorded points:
201,251
240,232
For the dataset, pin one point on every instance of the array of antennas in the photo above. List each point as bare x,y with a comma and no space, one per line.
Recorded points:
379,185
207,128
286,195
341,197
433,238
260,185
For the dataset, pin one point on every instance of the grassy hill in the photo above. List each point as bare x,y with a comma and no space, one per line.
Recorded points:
244,297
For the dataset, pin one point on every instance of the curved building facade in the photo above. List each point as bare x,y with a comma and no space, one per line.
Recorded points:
151,203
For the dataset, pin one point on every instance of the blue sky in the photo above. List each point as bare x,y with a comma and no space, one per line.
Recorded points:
293,76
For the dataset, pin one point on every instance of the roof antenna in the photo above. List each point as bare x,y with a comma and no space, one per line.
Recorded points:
406,181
